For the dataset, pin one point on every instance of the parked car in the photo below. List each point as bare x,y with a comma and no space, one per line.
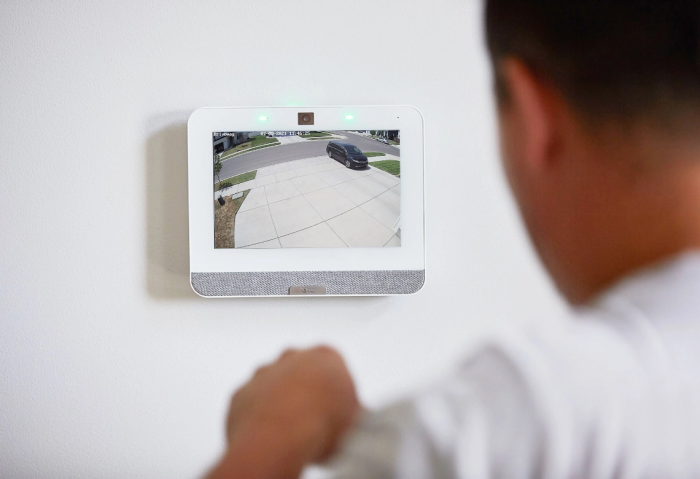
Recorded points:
350,155
383,140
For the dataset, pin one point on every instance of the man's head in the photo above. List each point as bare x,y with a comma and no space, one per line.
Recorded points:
599,110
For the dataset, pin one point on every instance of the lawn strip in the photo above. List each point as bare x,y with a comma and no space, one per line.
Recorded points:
255,148
225,221
390,166
317,134
256,142
235,180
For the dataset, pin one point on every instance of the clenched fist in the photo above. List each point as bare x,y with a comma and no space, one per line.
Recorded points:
291,413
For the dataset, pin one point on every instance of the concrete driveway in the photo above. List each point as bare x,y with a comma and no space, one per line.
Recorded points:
318,203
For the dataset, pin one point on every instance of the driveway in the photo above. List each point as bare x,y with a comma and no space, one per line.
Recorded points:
318,203
288,140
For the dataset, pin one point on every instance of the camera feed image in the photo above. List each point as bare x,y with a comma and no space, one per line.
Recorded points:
307,189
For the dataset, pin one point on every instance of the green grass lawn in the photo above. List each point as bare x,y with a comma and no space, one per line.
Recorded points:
254,141
390,166
236,180
371,154
317,134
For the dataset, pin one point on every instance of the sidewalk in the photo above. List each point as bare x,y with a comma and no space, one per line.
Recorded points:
385,157
316,203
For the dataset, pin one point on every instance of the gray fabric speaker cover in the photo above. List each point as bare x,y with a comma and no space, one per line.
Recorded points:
336,282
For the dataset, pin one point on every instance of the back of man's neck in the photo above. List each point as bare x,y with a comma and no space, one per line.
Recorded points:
653,215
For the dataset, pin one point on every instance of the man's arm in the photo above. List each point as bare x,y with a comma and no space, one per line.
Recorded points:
290,414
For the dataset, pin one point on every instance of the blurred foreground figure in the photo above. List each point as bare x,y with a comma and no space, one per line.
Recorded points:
599,114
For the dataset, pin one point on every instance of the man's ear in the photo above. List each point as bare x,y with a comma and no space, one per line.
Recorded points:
532,105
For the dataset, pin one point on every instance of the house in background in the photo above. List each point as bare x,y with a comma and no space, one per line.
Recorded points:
393,135
226,141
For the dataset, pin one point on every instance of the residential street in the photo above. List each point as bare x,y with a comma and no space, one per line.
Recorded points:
292,151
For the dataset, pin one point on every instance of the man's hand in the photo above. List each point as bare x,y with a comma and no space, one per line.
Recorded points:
290,414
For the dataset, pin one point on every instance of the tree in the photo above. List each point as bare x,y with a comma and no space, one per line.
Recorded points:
372,132
217,170
217,167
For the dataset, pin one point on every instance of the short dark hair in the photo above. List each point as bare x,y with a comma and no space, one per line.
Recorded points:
613,59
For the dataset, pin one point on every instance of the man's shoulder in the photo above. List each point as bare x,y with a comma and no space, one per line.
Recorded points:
573,360
633,326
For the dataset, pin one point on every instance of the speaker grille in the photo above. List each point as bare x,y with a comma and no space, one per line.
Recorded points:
336,282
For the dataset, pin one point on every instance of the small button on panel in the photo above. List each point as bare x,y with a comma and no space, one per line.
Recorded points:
307,290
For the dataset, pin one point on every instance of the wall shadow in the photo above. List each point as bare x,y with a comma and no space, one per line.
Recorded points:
167,235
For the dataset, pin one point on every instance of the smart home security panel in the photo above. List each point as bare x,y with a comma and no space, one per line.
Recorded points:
306,201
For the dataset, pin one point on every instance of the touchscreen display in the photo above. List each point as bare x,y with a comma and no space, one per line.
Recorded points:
307,189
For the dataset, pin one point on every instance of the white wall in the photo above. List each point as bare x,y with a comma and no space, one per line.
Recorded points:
110,366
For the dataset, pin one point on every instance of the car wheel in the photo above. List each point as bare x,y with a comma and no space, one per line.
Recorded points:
348,164
330,155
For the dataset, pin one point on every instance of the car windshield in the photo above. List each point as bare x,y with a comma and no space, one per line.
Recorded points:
353,149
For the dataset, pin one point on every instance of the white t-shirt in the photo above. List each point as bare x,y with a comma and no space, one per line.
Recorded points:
613,393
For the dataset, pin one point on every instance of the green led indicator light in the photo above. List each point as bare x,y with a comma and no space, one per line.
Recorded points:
262,118
349,117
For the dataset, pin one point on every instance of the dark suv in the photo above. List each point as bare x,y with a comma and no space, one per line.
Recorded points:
348,154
